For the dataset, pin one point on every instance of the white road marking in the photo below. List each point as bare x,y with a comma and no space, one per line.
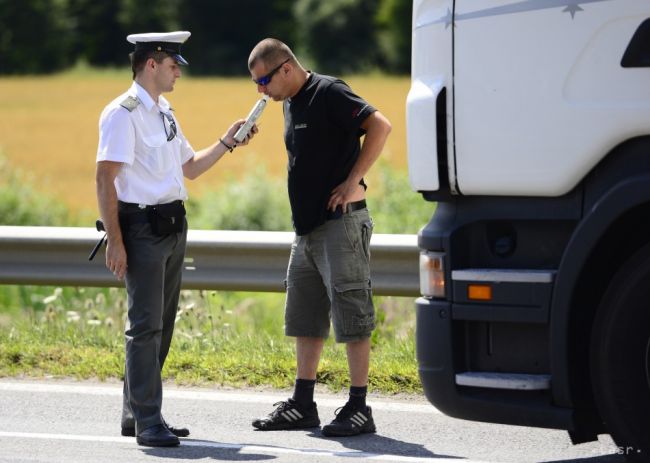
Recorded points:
306,452
214,396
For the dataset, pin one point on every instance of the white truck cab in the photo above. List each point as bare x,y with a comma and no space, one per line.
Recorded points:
528,121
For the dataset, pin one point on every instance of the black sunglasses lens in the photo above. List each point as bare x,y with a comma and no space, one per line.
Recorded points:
264,80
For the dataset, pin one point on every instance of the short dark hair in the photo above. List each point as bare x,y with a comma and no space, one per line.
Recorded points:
140,57
271,52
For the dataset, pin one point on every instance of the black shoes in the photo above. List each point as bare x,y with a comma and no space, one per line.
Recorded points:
288,415
178,432
157,436
350,421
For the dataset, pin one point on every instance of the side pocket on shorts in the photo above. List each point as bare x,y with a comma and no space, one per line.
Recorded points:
350,227
354,303
366,233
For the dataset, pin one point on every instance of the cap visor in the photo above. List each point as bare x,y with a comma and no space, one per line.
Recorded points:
180,60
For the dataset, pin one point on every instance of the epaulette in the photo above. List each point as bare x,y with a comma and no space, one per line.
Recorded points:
130,103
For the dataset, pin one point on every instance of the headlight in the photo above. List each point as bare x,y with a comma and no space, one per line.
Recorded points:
432,274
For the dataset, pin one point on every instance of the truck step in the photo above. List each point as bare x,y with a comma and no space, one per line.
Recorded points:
517,381
504,275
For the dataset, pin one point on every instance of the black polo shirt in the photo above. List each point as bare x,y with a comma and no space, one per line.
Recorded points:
321,133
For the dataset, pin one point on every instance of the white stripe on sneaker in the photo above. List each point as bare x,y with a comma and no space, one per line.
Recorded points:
296,412
287,416
356,420
294,415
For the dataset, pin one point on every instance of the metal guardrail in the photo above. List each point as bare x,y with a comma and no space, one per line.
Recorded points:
224,260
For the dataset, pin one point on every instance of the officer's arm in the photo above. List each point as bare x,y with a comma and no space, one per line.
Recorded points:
107,201
204,159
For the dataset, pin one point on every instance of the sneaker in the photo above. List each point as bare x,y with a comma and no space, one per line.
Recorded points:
350,421
288,415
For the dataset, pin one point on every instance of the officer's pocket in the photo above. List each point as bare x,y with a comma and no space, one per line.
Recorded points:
155,158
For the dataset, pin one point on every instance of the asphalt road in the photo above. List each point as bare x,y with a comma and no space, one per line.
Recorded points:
55,421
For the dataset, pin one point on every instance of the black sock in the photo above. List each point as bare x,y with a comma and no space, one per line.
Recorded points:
303,393
358,396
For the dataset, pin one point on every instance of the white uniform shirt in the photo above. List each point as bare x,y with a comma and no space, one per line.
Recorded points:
152,171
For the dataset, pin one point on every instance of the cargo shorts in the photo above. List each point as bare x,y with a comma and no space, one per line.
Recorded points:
329,277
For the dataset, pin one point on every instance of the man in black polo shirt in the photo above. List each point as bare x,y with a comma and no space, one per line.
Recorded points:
329,271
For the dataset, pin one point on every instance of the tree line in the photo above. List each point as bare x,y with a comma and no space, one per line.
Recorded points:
330,36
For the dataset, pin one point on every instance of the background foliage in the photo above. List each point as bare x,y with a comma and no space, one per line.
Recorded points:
258,202
22,204
333,36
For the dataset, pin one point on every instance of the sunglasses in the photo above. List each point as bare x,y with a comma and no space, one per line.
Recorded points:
171,133
265,80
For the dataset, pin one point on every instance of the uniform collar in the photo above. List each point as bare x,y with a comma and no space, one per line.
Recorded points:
141,94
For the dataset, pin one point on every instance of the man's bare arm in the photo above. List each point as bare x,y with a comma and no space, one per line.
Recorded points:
377,128
107,201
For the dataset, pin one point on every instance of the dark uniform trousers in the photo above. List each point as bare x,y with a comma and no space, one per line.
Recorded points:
153,283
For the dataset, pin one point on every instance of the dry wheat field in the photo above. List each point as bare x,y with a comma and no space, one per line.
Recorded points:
49,126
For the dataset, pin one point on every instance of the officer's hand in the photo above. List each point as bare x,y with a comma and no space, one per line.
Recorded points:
250,135
116,258
230,135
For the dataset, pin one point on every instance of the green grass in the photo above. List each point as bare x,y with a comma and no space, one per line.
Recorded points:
230,339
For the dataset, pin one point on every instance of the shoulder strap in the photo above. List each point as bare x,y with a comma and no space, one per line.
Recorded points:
130,103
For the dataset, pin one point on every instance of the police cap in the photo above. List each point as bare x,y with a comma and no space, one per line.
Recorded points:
168,42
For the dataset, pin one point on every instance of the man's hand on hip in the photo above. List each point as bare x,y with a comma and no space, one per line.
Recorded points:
347,192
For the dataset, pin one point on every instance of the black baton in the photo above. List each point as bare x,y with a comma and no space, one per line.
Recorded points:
100,227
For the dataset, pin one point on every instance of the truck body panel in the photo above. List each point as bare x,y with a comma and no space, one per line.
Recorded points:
529,123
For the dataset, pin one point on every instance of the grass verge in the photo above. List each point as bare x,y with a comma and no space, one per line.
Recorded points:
221,338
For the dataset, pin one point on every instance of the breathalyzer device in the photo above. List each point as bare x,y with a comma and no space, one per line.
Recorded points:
252,117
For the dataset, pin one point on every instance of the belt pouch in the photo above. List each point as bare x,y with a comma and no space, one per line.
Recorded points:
166,219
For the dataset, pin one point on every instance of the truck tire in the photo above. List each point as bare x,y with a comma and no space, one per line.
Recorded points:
620,357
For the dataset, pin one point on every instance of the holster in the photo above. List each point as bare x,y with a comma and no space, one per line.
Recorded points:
166,219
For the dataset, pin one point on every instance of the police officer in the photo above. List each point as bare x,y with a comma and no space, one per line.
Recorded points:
142,158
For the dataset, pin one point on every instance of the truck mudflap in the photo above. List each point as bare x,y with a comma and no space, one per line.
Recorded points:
436,349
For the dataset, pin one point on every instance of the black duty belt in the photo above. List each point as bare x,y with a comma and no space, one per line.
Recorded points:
133,213
128,208
338,212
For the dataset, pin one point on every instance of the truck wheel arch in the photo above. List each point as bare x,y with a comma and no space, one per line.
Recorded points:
601,243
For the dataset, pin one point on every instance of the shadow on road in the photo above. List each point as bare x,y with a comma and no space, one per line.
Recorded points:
362,446
191,449
381,445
